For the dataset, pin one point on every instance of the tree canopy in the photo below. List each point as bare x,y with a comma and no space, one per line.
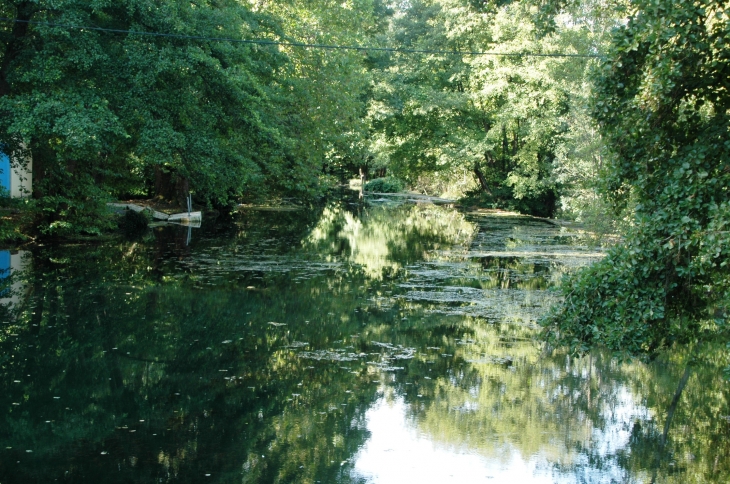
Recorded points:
108,113
506,119
110,110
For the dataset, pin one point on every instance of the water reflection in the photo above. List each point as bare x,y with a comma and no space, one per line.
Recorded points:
382,239
389,343
13,289
397,453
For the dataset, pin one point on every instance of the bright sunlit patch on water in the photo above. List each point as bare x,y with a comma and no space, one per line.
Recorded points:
397,453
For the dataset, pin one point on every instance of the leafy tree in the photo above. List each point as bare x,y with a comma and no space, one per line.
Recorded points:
112,113
327,86
505,119
662,104
103,112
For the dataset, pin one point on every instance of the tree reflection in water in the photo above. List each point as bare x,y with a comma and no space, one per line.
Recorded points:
256,353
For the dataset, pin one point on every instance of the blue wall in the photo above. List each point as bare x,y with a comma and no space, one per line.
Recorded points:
4,263
5,171
4,270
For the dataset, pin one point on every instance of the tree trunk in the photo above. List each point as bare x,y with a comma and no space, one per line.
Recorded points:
482,179
505,147
182,190
171,187
163,183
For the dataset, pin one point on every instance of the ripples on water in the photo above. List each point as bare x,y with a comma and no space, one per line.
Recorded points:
347,343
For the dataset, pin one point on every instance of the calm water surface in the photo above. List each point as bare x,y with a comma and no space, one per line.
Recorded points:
351,343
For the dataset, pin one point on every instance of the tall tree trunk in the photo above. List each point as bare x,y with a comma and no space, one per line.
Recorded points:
505,147
182,190
163,181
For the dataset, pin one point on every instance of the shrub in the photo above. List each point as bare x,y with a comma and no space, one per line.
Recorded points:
134,222
384,185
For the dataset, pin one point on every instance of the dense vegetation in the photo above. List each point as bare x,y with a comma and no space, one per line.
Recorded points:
667,76
108,114
503,124
575,106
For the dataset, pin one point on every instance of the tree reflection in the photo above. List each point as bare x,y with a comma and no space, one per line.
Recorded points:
120,368
382,240
587,417
254,353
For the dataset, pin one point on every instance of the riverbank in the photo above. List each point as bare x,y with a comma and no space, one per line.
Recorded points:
19,218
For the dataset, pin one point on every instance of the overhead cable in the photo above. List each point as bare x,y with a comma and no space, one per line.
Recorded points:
299,44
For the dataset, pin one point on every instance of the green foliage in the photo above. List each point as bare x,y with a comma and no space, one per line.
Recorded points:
506,119
16,219
662,104
108,114
385,185
134,222
98,109
325,89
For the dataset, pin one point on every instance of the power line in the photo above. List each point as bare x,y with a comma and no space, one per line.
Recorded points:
296,44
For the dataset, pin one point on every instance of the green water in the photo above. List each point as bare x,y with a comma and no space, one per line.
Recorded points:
349,343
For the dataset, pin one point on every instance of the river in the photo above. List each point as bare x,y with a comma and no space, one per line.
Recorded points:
352,342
